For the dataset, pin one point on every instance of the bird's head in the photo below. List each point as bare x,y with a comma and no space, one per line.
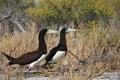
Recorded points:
47,31
67,30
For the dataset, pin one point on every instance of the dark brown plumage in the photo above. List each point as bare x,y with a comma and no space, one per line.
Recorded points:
61,46
31,58
58,53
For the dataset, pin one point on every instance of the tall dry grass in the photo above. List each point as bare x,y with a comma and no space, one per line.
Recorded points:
98,47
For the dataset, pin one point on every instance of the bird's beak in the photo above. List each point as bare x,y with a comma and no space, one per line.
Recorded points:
51,31
70,30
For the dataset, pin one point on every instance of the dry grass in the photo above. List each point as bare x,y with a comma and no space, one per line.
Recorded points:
100,48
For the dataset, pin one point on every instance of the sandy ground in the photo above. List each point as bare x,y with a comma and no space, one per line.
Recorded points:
105,76
108,76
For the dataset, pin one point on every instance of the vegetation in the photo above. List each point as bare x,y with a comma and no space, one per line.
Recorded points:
57,13
98,47
96,42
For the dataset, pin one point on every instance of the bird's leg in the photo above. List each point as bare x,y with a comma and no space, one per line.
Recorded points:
31,70
45,65
28,69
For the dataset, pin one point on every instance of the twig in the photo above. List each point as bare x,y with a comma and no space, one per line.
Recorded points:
76,57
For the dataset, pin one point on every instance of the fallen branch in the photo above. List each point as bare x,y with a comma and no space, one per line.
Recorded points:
18,25
4,15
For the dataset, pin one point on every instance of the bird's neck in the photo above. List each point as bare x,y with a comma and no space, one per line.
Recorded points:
42,45
62,40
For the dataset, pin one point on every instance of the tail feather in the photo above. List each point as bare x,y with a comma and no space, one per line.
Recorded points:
8,56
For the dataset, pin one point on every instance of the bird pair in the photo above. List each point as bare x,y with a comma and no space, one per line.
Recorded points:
33,58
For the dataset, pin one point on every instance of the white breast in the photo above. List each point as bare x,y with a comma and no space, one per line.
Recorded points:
58,57
37,61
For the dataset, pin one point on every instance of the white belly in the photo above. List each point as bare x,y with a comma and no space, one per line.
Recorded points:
58,57
37,61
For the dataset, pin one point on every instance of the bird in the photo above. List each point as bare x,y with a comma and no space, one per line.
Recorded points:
57,53
34,57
